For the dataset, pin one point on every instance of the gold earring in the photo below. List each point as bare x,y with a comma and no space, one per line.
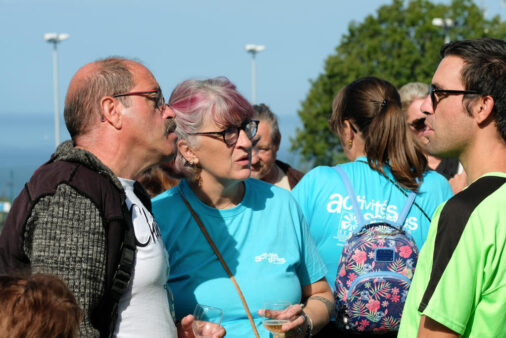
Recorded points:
350,143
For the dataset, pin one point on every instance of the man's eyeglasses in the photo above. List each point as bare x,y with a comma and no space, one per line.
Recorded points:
437,95
418,124
231,134
158,99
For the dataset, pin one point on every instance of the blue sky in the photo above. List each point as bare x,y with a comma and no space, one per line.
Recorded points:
176,40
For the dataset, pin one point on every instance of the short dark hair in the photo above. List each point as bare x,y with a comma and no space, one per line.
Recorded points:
264,113
37,306
112,76
484,71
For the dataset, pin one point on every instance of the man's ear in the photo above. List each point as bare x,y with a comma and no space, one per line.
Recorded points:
483,108
187,152
110,110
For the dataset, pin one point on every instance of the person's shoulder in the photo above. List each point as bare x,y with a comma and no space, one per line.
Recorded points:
268,190
432,180
260,186
433,177
488,193
318,172
168,196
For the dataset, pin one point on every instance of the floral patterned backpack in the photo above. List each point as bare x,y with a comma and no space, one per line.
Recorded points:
374,272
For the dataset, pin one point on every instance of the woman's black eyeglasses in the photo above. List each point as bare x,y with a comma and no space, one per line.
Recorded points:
418,124
435,94
231,134
158,99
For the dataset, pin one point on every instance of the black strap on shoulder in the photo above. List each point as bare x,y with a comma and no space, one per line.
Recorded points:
123,275
117,222
451,225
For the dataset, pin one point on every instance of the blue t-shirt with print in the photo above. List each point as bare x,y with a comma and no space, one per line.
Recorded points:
264,240
325,203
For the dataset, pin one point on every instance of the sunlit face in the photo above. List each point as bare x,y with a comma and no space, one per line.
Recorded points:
150,130
416,121
449,125
218,161
264,152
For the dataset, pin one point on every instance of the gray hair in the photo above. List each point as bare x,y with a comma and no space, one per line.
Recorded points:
412,91
263,113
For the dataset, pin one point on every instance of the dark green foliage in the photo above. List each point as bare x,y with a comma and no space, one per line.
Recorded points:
399,44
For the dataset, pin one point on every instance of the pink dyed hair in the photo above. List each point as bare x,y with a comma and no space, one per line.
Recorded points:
191,100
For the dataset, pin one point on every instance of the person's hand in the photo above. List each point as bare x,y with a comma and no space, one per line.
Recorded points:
297,325
184,329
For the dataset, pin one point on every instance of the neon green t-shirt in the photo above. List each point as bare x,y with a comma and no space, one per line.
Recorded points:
460,277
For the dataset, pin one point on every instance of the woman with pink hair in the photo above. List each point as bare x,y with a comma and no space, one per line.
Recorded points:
258,228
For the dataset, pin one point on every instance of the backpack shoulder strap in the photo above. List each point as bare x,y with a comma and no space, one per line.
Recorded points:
405,210
352,196
351,192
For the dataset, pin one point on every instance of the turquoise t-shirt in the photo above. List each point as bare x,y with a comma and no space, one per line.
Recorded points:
326,206
264,240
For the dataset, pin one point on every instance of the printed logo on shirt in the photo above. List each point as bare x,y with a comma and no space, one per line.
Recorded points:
371,210
151,225
272,258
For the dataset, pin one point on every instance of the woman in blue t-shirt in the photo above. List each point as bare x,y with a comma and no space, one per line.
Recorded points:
386,163
258,228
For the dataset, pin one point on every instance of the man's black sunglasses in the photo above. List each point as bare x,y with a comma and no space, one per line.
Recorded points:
231,134
435,94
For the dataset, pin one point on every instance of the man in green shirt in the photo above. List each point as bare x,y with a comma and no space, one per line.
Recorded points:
459,287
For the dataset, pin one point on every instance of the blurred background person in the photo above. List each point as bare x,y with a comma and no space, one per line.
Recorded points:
264,165
38,306
412,95
386,164
257,227
157,179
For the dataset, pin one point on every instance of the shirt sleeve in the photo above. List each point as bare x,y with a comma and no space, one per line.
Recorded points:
64,236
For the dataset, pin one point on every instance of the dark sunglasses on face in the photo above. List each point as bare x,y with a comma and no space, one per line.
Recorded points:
158,99
418,124
437,95
231,134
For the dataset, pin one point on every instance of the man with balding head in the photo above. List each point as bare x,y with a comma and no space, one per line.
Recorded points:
84,218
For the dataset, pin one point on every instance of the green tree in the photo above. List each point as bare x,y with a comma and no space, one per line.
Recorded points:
400,44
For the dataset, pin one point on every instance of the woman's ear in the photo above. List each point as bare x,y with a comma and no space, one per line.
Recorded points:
347,133
187,152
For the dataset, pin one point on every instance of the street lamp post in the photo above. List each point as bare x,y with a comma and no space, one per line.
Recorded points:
55,38
446,24
253,50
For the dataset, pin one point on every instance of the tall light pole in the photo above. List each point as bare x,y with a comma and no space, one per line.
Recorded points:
446,24
55,38
253,50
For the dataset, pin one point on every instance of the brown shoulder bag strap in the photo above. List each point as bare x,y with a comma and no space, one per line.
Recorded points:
222,261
